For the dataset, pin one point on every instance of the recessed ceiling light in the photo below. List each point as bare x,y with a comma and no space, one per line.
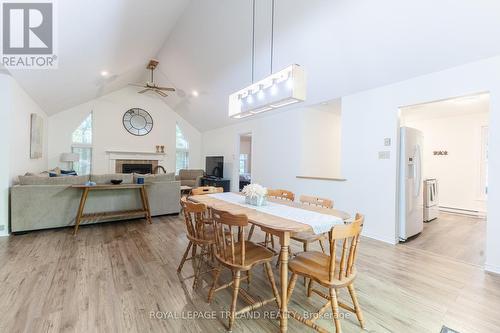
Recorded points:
195,93
104,73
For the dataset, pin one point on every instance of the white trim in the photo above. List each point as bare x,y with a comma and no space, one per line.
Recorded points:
492,268
384,240
113,155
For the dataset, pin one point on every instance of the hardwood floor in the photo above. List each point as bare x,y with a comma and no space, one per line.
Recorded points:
111,277
456,236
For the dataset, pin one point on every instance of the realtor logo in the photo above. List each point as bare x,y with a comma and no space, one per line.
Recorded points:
28,35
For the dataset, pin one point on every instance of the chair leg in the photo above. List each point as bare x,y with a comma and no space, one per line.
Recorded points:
266,240
236,289
249,277
250,233
279,260
357,308
335,310
291,286
272,241
198,268
305,245
214,284
309,288
322,246
179,269
270,277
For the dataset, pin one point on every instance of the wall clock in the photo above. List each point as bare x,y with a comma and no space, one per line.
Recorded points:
137,122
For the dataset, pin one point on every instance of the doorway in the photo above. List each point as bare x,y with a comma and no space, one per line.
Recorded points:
245,160
454,176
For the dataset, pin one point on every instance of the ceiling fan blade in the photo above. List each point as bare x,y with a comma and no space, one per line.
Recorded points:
136,85
161,93
143,91
166,89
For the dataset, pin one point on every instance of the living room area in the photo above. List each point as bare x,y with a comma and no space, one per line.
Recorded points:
238,166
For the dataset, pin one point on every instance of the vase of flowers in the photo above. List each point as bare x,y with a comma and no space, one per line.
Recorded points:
255,195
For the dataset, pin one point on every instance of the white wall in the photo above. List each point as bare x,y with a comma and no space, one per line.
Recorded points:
367,118
458,172
109,133
16,108
278,149
22,108
5,108
320,141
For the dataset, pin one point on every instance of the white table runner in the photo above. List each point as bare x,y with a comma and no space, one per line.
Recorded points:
320,223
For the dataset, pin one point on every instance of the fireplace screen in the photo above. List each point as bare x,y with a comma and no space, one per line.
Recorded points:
137,168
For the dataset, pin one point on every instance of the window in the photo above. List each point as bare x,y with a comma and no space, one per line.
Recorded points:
182,150
82,145
243,163
483,181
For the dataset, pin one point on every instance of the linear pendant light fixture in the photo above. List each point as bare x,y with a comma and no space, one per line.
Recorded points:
277,90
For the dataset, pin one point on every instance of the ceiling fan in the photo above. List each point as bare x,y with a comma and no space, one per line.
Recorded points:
151,86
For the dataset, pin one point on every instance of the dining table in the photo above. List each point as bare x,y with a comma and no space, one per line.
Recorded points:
274,224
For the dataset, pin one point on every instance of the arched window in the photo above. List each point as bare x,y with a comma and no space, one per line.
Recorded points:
182,150
82,145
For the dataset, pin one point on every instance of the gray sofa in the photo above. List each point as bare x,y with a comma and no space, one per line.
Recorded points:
43,202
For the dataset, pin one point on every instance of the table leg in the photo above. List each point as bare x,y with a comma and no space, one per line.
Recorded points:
145,203
285,242
81,208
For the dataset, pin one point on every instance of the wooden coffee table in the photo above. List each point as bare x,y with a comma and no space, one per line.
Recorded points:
144,212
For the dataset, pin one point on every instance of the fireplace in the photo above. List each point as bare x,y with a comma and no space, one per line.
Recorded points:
137,168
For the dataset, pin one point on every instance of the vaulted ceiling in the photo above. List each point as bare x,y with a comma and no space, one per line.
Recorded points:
118,36
344,45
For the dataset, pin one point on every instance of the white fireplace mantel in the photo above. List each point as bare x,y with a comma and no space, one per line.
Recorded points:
113,155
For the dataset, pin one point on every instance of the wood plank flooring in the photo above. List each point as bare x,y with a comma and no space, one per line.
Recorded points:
455,236
111,277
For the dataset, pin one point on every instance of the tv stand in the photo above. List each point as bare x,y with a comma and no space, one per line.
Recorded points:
217,182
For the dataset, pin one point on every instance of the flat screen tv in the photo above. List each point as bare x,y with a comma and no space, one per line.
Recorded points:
214,166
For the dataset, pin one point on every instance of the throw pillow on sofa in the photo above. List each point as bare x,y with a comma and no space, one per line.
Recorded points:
150,178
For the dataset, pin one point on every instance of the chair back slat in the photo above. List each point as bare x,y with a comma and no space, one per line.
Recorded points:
230,249
281,194
316,201
349,236
194,217
206,190
343,258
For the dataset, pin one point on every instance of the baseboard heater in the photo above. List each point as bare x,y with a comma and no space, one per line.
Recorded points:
462,211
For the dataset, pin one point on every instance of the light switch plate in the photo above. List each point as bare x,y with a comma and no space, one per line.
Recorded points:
387,142
384,155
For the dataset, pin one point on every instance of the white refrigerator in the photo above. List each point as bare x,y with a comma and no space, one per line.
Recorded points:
411,210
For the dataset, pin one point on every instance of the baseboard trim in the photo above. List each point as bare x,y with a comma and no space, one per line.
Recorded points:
388,241
492,268
462,211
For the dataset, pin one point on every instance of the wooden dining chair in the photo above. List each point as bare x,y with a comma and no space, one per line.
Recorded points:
232,251
309,237
277,194
200,234
206,190
331,272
